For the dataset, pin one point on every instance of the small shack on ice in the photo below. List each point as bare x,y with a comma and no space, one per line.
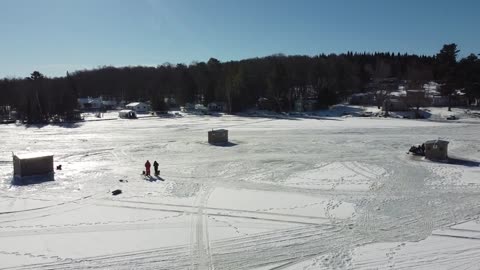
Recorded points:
32,164
127,114
436,149
219,136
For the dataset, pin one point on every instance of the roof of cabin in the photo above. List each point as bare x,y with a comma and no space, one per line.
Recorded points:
32,155
436,142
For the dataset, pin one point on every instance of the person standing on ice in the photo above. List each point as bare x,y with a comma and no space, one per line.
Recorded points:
155,166
147,168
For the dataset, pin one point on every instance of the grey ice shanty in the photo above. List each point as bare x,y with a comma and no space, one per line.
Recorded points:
436,149
219,136
32,164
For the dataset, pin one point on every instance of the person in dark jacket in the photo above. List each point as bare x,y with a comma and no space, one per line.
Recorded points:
155,166
147,168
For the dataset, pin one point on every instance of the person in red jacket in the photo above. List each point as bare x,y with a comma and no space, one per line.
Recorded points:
147,168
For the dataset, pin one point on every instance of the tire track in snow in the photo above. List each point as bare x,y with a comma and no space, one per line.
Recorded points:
259,214
12,216
199,238
391,255
84,227
177,257
76,156
35,255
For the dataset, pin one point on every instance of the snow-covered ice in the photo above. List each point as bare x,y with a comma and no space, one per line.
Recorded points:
294,193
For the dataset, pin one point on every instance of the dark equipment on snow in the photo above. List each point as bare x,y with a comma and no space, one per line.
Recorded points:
433,150
59,167
418,150
116,192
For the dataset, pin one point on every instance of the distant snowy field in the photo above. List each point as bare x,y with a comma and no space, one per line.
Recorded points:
296,193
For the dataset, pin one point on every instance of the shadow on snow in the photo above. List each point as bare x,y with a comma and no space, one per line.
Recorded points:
463,162
62,125
227,144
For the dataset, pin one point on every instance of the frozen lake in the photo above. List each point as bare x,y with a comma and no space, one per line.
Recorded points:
323,193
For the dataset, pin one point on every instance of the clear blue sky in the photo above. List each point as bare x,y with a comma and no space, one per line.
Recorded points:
54,36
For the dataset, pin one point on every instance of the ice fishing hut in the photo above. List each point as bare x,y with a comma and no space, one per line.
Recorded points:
128,114
219,136
436,149
32,164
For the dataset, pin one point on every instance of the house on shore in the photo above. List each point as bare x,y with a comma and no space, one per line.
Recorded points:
109,104
305,104
265,104
73,116
394,105
367,99
138,107
188,107
194,108
89,103
95,104
217,106
201,108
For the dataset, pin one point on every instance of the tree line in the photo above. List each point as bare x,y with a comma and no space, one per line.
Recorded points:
281,79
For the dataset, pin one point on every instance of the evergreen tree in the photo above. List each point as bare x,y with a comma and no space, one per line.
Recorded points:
277,82
35,112
70,95
446,70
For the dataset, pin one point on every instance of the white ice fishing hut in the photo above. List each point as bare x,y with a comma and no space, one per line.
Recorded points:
127,114
219,136
32,164
436,149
